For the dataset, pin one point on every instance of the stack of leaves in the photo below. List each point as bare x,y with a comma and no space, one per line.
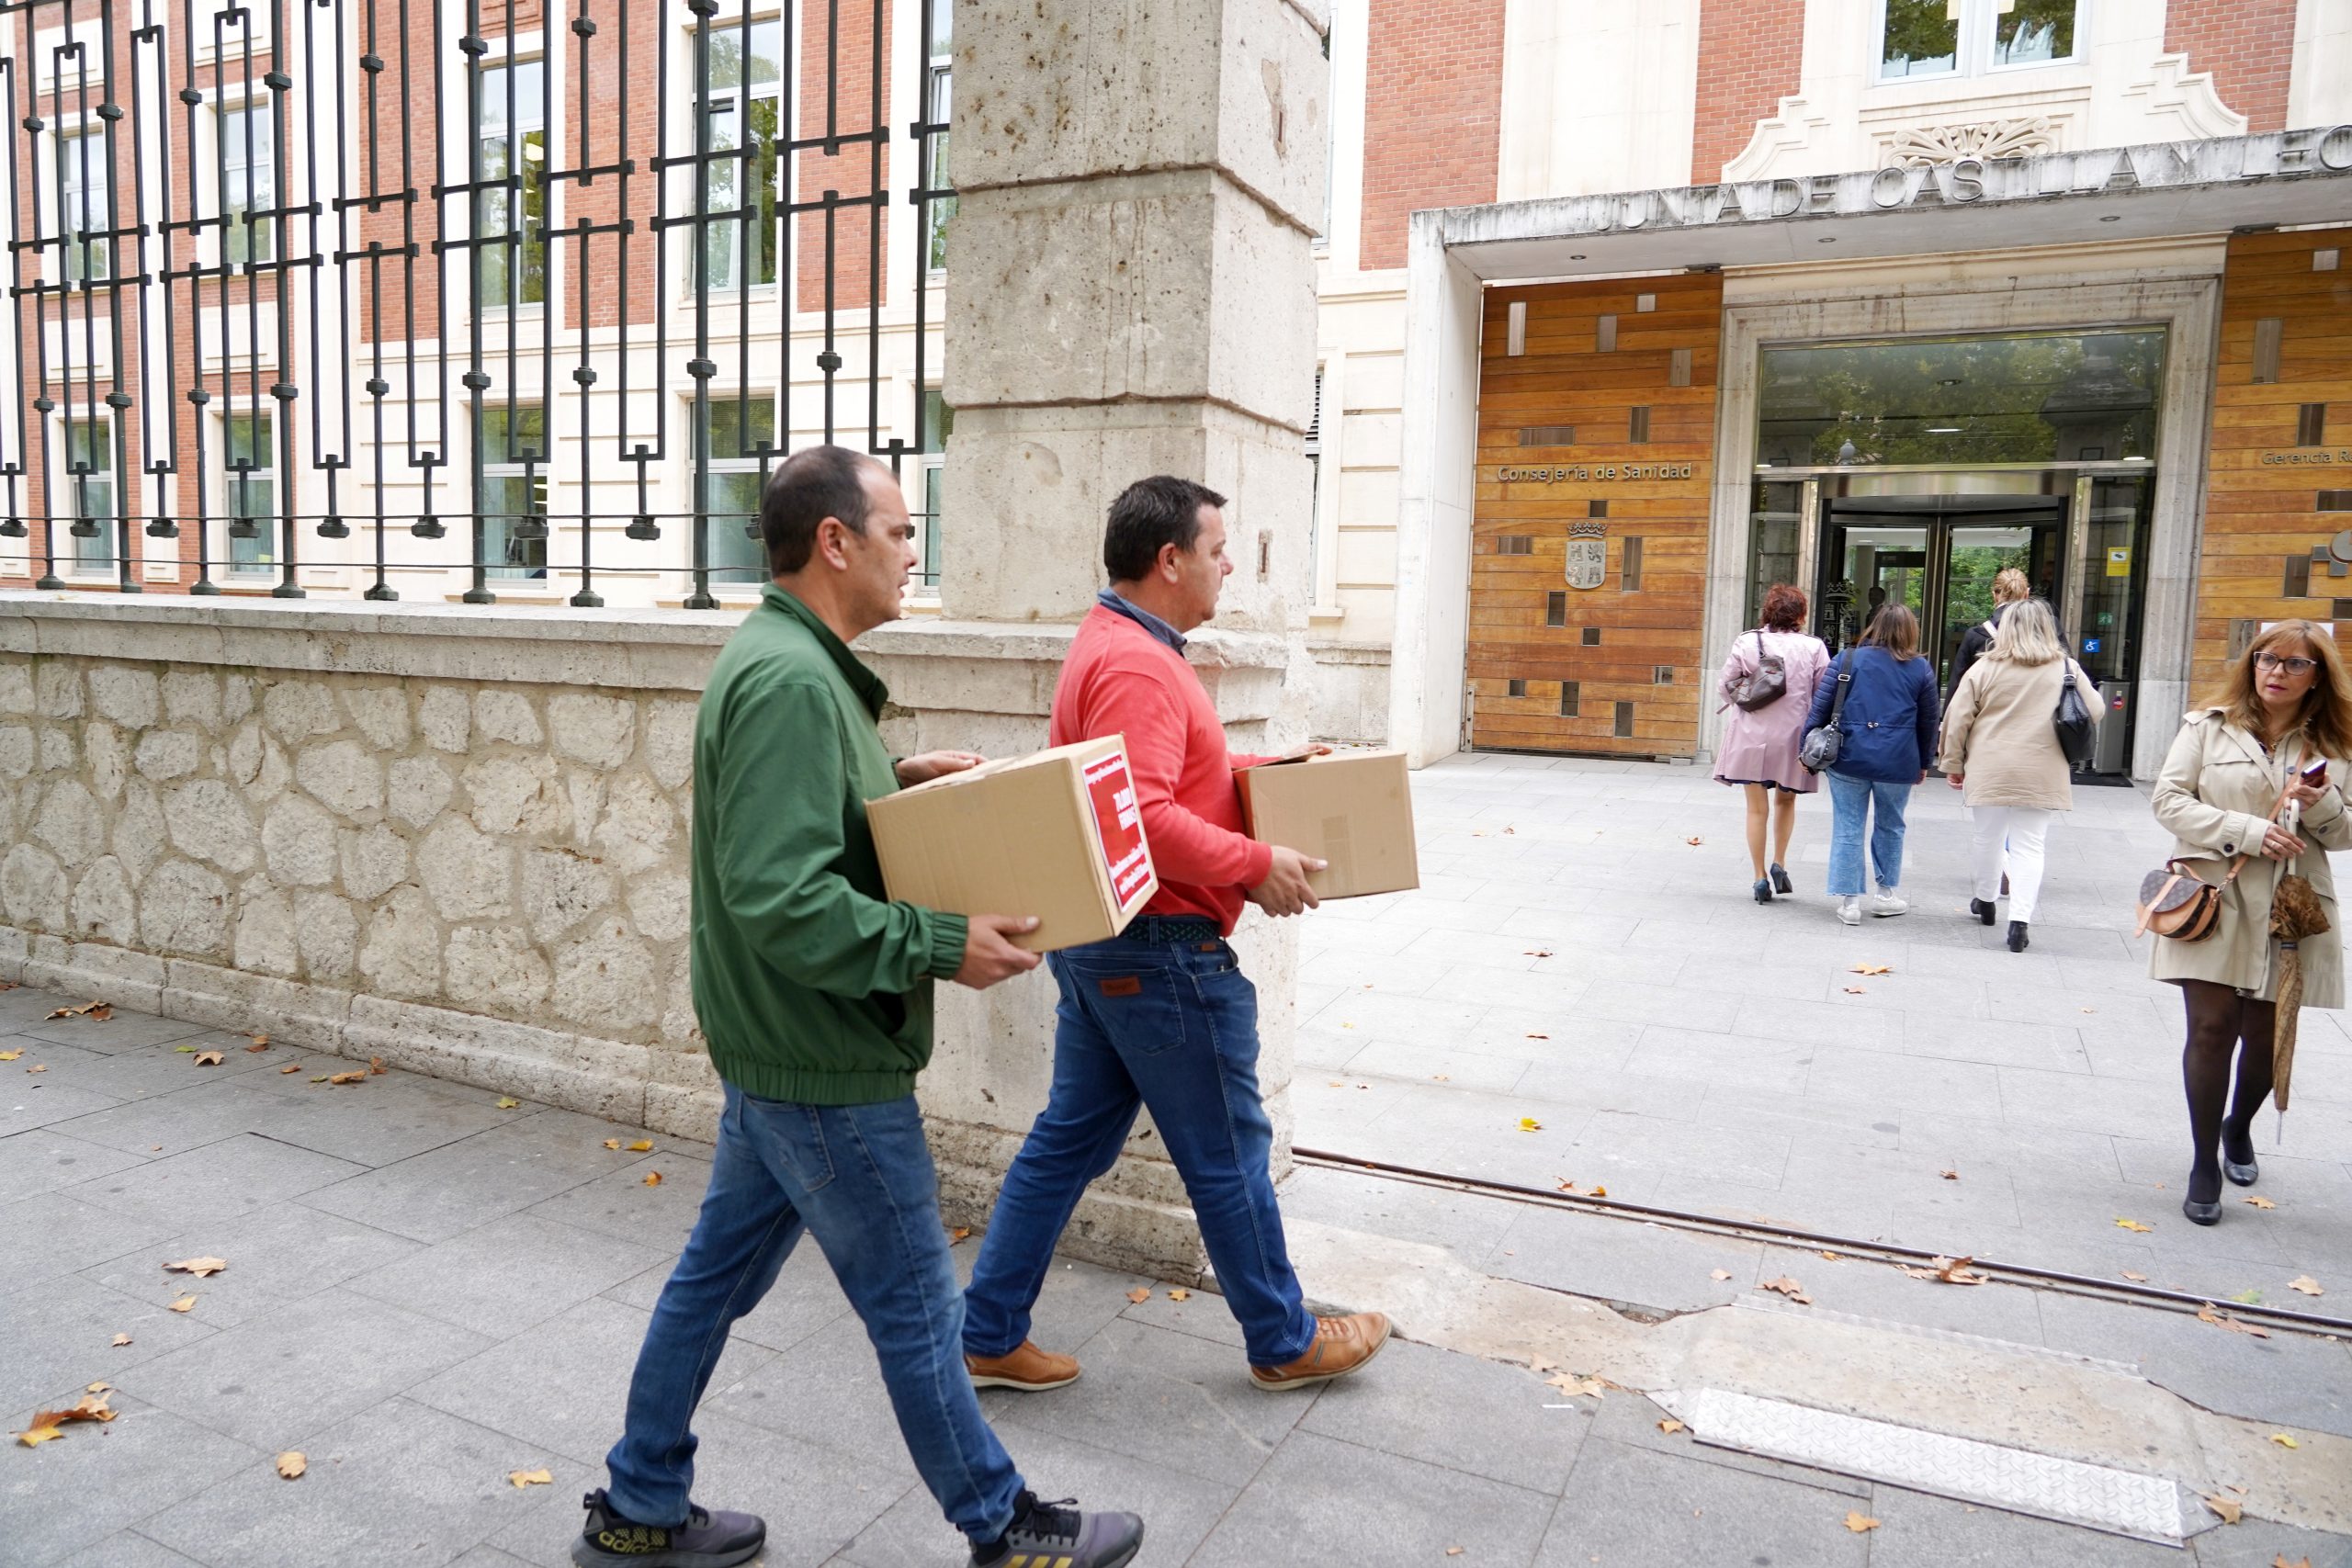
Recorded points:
47,1425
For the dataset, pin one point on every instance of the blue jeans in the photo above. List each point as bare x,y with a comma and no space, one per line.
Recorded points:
1173,1026
859,1178
1850,800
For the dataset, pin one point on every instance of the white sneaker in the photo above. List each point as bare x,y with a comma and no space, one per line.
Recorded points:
1886,902
1850,910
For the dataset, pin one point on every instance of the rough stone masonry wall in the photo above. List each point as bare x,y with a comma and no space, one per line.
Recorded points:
408,867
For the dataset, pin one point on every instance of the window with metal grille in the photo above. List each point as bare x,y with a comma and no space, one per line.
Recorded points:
1624,729
938,103
1596,508
515,490
2269,345
248,175
510,174
1661,674
2336,501
1547,435
743,191
1604,335
1592,637
737,455
1555,608
89,466
249,494
1517,687
1514,544
85,204
1637,425
2310,424
1629,574
1571,699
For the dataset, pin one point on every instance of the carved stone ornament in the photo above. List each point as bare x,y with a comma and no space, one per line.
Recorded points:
1923,145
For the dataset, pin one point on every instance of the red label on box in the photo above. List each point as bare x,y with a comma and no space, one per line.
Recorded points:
1111,790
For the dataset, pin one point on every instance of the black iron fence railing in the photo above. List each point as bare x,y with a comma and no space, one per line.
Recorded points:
472,297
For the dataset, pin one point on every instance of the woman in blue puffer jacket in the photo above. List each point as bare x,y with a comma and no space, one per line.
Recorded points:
1889,735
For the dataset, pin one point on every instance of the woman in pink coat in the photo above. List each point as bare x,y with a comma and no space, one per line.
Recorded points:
1759,745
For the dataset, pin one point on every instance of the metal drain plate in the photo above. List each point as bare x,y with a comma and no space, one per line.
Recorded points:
2121,1502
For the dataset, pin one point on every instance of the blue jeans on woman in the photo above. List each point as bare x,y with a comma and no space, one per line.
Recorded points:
859,1178
1172,1025
1852,801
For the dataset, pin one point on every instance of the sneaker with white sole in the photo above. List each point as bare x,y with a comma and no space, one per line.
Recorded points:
1886,901
1850,910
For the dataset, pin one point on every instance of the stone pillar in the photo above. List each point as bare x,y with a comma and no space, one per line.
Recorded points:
1131,291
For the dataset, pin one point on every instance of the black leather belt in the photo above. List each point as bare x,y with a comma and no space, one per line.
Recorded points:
1177,930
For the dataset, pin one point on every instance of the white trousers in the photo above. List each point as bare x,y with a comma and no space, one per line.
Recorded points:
2022,830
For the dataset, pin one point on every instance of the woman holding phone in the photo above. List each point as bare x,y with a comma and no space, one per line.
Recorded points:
2249,783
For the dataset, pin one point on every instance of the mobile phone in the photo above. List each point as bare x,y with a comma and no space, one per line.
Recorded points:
2315,772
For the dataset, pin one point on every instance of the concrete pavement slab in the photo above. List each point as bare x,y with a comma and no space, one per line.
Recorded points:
1631,1508
63,1498
1479,1417
60,1338
277,1257
231,1176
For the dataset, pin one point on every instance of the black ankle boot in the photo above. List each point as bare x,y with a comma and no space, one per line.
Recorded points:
2017,936
1982,910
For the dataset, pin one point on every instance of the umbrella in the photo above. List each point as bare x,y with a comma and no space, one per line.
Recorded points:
2295,913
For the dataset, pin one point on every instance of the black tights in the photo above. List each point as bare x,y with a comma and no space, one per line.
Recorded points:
2218,1019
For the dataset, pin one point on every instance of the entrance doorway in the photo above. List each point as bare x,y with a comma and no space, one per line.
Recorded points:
1937,555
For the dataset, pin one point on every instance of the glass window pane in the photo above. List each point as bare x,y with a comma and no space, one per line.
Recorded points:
513,273
733,554
2038,399
2034,31
250,490
515,434
85,204
89,459
935,176
767,52
1775,523
938,423
728,438
942,26
1922,39
508,499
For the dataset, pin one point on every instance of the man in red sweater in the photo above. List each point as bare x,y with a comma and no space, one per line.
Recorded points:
1161,1015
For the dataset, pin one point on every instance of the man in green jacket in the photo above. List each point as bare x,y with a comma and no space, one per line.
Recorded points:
814,993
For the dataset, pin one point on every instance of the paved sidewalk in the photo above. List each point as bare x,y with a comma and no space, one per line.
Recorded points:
1573,957
428,1288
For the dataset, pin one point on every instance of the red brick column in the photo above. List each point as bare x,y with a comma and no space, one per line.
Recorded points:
1432,115
2248,45
1751,55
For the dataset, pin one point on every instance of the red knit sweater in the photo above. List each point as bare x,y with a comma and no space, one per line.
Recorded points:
1120,680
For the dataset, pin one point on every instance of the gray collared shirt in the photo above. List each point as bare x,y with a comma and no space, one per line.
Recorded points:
1110,599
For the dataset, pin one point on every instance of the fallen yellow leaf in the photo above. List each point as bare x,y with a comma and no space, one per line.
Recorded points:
1951,1175
1597,1193
1870,969
522,1478
2306,1285
291,1068
2131,1225
612,1143
1180,1294
200,1266
1719,1274
2259,1201
2229,1508
1950,1271
1529,1124
1694,841
2135,1278
1788,1287
508,1103
653,1178
2284,1442
643,1145
360,1077
183,1304
1574,1386
32,1438
2219,1319
1860,1523
1453,1551
291,1465
1670,1426
1138,1295
960,1234
120,1340
208,1058
2281,1562
9,1055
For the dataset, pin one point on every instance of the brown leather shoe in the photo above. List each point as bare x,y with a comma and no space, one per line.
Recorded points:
1342,1344
1026,1368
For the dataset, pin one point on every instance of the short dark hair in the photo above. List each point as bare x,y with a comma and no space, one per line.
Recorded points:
1149,514
1783,607
809,486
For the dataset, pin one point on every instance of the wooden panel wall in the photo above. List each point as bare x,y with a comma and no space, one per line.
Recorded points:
2264,489
1565,379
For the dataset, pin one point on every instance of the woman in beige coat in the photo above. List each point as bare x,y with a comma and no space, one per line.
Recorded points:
2000,750
2232,768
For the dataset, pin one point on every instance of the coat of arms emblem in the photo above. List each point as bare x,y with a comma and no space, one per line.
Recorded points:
1588,555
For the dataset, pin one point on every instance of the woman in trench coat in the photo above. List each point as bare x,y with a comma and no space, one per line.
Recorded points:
1759,751
2286,704
2001,751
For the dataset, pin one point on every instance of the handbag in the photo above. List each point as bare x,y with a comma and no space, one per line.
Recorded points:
1819,750
2175,902
1762,687
2072,720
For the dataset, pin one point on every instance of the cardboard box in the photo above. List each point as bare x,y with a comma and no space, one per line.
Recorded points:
1354,809
1057,835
